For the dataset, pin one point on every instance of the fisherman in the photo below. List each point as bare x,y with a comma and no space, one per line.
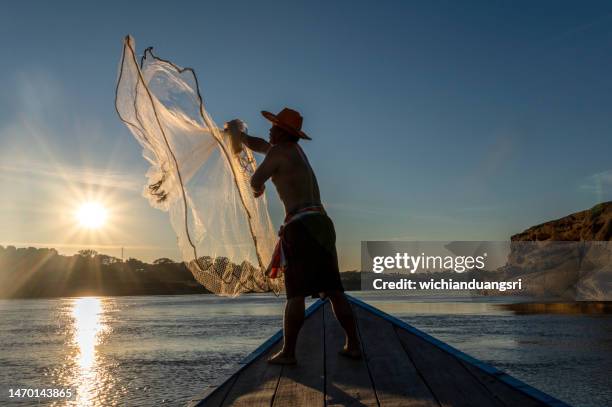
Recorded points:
306,251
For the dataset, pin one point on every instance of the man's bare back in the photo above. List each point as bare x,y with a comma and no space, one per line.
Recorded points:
289,170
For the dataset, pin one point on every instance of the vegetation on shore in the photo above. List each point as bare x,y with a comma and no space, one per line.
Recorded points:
43,273
37,273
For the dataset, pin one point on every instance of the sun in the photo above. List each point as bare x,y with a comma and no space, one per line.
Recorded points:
92,215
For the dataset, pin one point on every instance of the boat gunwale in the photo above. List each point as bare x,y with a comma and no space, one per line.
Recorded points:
485,367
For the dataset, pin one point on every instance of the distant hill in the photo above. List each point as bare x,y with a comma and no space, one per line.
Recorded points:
569,257
593,224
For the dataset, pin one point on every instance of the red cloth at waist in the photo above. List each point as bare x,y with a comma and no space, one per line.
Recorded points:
278,264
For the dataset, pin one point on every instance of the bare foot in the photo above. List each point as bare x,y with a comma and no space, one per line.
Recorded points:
282,358
350,353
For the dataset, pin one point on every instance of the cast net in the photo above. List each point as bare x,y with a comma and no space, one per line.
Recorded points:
224,234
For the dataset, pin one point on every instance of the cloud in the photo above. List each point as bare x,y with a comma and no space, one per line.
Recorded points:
74,175
599,183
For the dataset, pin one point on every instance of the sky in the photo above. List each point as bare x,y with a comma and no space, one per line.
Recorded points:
430,120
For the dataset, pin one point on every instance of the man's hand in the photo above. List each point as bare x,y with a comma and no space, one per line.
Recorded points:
237,128
258,193
235,125
234,129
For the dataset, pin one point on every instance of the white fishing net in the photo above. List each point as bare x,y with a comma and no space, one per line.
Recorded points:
225,234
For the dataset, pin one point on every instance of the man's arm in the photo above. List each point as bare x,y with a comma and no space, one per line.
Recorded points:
264,171
255,143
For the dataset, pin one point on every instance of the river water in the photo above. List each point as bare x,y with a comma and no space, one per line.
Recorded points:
151,350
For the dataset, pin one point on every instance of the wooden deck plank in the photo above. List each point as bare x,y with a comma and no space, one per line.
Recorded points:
452,384
255,386
303,384
503,392
396,380
347,381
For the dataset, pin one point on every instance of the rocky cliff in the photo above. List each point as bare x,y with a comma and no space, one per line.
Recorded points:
569,257
594,224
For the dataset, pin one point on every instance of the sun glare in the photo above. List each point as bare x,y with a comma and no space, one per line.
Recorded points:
92,215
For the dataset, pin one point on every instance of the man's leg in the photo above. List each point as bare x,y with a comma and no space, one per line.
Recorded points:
344,315
294,318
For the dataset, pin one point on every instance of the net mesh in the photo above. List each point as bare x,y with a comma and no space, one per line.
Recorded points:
225,235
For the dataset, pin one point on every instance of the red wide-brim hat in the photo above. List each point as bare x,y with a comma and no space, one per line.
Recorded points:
289,120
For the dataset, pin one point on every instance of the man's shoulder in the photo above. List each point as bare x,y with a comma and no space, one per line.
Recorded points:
280,150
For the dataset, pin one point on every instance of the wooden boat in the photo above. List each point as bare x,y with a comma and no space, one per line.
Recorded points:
402,366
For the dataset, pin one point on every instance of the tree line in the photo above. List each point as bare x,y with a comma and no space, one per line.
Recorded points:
42,272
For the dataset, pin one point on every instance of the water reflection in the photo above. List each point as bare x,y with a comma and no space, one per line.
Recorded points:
583,307
88,332
86,312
